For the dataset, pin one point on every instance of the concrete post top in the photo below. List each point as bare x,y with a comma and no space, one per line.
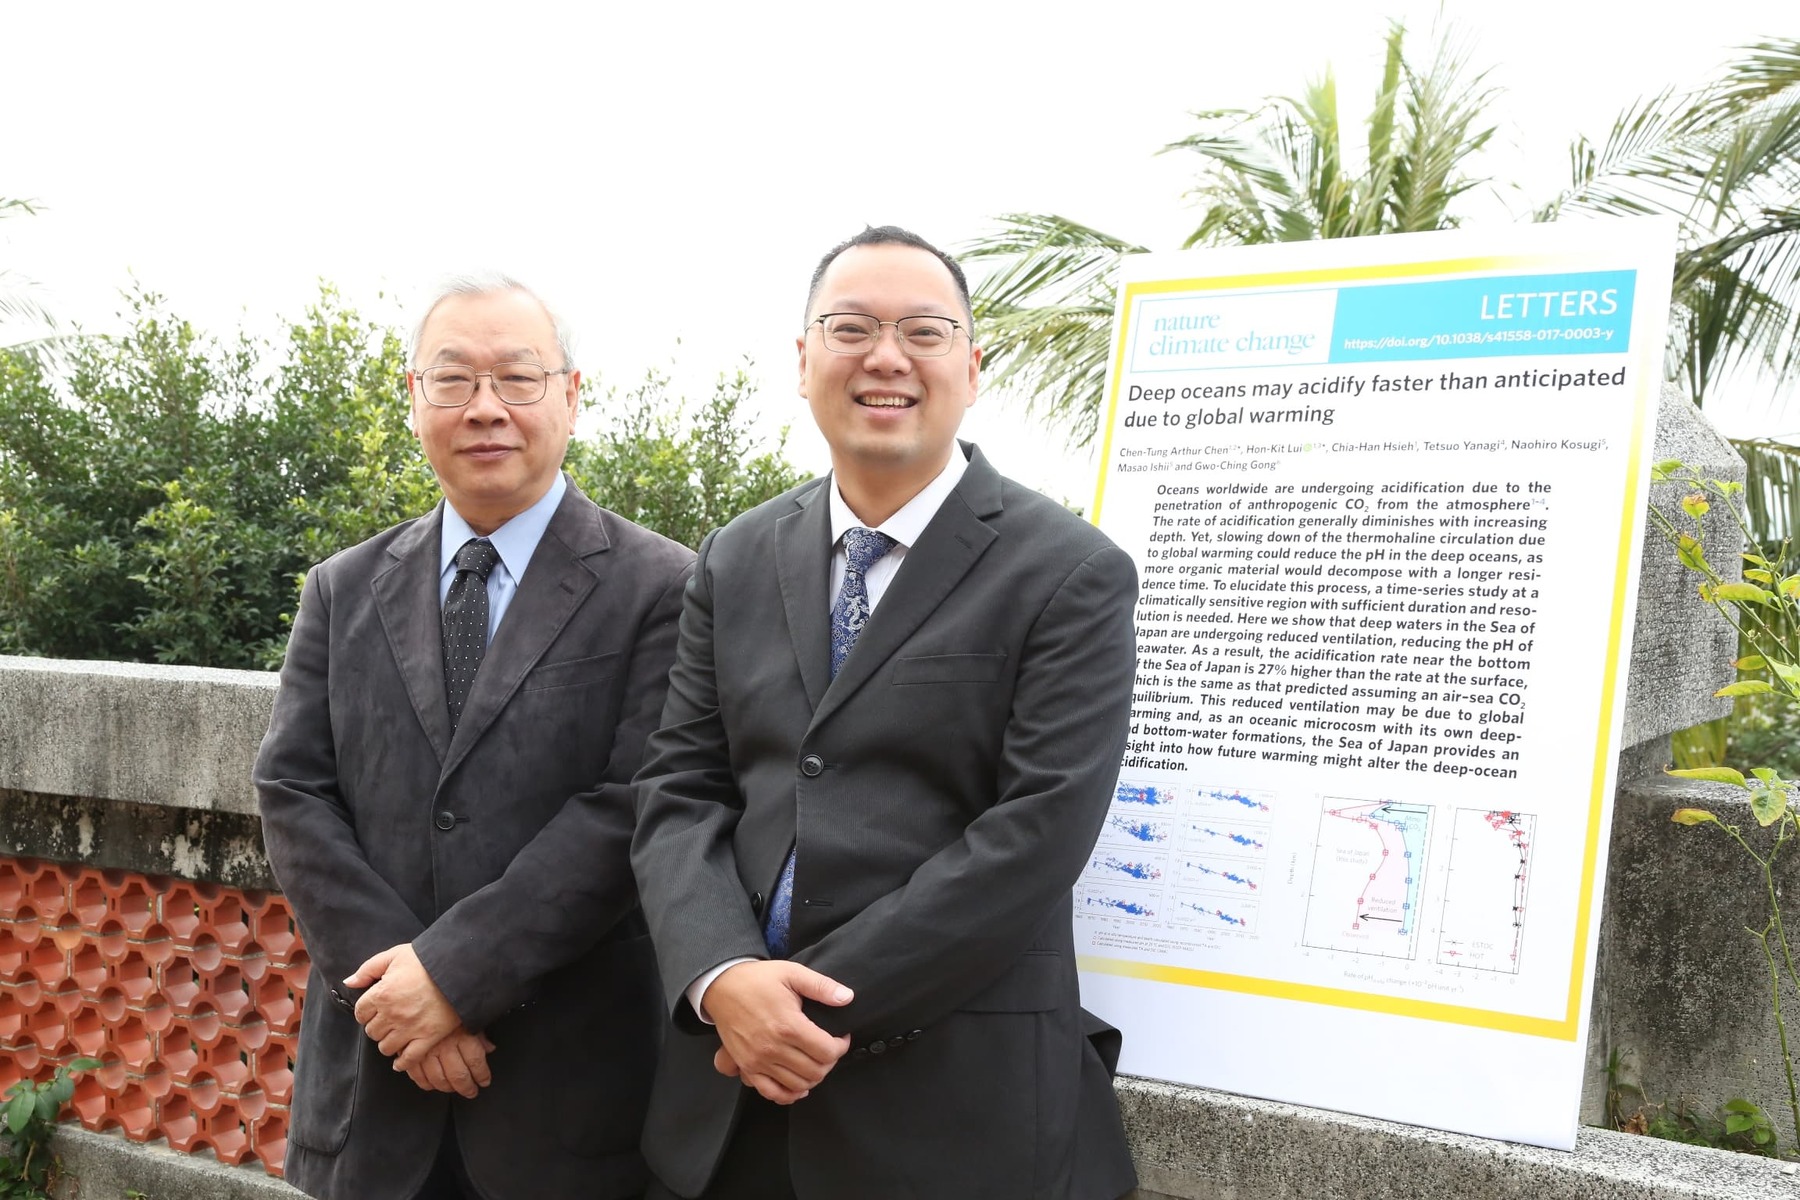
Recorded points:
146,672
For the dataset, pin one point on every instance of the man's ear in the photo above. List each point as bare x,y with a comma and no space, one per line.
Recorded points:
574,399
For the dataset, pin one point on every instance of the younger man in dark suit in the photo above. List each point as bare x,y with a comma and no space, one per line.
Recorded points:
445,800
893,727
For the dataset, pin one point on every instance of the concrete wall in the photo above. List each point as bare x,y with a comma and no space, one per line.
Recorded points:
145,768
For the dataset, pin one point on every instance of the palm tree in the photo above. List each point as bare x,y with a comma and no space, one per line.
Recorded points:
1724,159
1281,172
16,306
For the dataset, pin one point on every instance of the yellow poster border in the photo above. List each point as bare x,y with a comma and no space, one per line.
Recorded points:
1568,1026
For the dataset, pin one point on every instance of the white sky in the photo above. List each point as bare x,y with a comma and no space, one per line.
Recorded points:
667,175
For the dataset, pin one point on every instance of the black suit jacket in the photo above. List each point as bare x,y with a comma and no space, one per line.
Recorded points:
500,853
945,790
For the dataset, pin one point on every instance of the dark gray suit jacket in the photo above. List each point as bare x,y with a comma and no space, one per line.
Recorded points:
945,790
501,853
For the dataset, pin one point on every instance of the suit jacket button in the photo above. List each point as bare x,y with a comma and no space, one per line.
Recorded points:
812,765
860,1052
913,1036
446,821
878,1047
756,901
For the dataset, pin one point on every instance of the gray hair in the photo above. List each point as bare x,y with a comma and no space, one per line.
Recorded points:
486,283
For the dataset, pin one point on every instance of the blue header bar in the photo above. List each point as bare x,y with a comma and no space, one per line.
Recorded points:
1586,312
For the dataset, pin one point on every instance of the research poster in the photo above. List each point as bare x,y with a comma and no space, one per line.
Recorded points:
1385,497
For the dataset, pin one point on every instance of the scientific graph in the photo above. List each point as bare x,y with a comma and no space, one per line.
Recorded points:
1224,839
1232,804
1145,796
1179,855
1143,868
1490,868
1200,910
1225,876
1368,872
1119,902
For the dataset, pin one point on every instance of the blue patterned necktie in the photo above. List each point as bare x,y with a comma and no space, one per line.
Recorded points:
466,622
863,548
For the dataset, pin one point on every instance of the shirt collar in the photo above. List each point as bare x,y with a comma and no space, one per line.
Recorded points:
514,541
906,525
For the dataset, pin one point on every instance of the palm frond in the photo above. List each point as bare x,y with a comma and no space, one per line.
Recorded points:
1765,71
1045,315
1771,489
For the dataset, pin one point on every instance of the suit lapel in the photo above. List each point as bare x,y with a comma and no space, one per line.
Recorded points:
556,583
951,544
803,565
406,598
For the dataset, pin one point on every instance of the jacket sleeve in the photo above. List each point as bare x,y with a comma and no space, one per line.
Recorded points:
346,910
968,912
572,882
688,807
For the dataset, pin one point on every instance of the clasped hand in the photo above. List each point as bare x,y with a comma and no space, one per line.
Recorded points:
766,1040
410,1021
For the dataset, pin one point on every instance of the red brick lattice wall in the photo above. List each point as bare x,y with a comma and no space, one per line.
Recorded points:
188,993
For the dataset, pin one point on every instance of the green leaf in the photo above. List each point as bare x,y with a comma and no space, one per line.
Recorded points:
62,1089
1730,487
1746,687
1767,804
1688,550
1760,577
48,1105
1709,775
1751,662
1744,593
1695,505
1758,559
1692,816
1667,467
1766,774
1739,1122
84,1064
1790,587
19,1111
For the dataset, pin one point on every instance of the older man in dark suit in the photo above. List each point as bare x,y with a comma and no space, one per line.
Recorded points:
445,800
893,728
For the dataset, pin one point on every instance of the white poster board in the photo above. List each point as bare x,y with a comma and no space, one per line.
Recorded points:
1385,497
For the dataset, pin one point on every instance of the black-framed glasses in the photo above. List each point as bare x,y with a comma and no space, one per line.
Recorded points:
514,382
857,333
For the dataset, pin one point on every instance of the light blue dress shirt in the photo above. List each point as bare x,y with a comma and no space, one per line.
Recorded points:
515,542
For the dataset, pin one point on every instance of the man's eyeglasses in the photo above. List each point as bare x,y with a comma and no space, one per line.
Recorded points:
857,333
513,382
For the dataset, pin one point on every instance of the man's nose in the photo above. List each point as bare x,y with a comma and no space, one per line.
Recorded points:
887,352
485,404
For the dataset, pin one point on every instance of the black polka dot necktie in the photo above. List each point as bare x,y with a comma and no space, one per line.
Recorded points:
466,621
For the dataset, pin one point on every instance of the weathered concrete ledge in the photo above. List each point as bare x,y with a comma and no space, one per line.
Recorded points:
104,1166
181,737
1190,1144
1194,1144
